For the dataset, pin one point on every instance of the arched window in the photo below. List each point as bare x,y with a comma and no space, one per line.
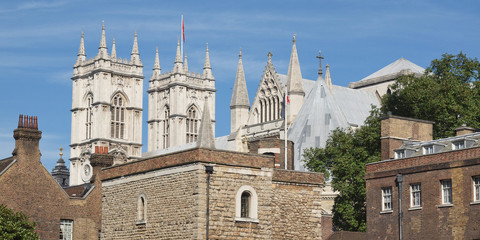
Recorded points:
192,124
246,204
166,127
88,120
117,125
141,209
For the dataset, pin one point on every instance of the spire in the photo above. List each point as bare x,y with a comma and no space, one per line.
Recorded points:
114,50
328,79
185,63
320,72
156,66
205,134
60,172
102,49
81,51
240,93
135,56
294,76
207,69
178,66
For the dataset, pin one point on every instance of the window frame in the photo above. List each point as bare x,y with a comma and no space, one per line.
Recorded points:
252,205
192,124
118,116
413,195
141,209
428,149
66,233
457,145
446,191
386,195
476,189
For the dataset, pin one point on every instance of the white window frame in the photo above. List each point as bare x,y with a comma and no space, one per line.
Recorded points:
476,189
416,195
66,229
387,197
428,149
457,145
447,198
399,154
253,205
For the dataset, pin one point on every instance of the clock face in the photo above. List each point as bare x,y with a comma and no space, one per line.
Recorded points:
87,172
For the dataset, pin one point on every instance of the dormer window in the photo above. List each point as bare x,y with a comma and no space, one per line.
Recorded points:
428,149
458,145
399,154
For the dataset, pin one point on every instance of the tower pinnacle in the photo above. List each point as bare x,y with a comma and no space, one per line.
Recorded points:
135,56
178,65
240,93
156,65
205,134
294,76
320,72
185,62
114,50
102,49
81,51
207,69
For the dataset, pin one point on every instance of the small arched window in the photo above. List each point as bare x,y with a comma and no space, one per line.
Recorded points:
141,209
88,117
246,204
117,124
192,124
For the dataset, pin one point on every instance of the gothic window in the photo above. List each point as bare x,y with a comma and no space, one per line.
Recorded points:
88,120
141,210
192,124
246,204
117,123
166,127
66,229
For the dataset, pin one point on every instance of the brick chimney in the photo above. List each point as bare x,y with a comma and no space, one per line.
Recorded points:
464,130
99,160
396,129
27,138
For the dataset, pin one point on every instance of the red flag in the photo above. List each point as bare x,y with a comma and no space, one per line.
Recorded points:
183,30
288,100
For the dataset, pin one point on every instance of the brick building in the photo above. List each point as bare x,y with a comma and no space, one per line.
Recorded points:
436,183
25,185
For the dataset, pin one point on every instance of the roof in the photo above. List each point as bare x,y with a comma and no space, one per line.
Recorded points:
220,143
78,191
5,164
390,72
323,111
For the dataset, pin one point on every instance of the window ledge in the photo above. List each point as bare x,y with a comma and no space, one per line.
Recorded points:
386,212
240,219
445,205
141,222
475,203
415,208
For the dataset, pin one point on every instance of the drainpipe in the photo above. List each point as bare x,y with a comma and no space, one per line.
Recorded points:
208,170
399,181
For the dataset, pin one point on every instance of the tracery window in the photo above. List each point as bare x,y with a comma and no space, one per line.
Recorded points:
192,124
88,120
166,127
117,123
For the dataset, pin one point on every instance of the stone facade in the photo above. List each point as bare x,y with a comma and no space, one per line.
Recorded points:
106,107
175,190
442,211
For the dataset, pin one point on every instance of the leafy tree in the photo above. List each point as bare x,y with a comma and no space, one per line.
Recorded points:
448,94
15,225
344,156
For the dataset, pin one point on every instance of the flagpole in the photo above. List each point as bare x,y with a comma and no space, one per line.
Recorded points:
181,37
286,122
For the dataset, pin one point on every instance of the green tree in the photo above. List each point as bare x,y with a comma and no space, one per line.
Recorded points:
344,157
15,225
448,94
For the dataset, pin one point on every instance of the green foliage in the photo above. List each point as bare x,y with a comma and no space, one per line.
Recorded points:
448,94
344,157
15,225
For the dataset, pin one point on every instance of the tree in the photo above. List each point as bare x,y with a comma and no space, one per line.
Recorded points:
448,94
344,157
15,225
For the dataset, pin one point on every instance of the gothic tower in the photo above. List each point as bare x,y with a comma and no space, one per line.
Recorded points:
296,92
106,108
240,104
176,103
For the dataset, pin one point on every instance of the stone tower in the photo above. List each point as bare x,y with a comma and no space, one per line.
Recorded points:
295,88
60,172
176,103
106,107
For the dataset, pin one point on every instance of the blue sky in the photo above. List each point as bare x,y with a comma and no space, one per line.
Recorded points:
40,39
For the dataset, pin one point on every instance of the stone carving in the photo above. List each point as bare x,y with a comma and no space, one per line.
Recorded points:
119,153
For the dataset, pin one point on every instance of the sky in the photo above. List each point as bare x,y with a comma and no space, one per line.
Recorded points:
40,39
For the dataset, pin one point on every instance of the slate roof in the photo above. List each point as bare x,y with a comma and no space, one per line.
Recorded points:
5,163
390,72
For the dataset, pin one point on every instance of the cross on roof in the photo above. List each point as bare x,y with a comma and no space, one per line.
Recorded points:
320,72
